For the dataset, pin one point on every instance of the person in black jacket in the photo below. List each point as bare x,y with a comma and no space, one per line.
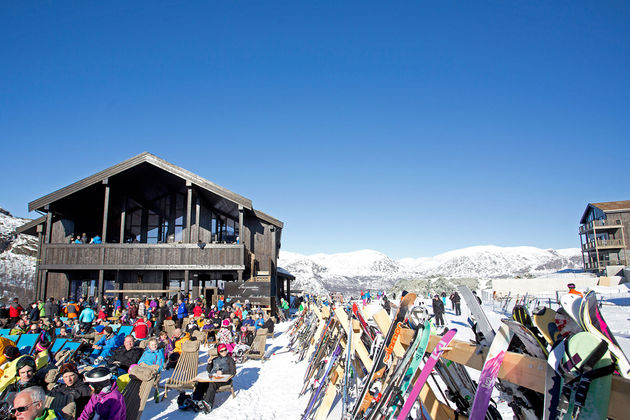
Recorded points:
438,310
269,325
26,377
73,389
223,364
456,303
126,355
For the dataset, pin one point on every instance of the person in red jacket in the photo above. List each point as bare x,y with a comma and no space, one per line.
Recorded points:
197,310
141,328
15,310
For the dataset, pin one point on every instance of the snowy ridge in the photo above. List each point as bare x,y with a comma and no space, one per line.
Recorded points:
371,269
17,257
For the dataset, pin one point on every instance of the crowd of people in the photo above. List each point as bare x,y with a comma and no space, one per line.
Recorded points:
89,378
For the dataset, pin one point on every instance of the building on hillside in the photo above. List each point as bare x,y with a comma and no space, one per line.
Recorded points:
163,229
604,234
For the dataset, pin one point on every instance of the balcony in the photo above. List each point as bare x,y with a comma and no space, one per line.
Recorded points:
143,257
604,244
594,266
600,225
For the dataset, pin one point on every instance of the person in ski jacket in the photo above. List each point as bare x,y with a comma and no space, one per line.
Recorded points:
220,304
197,311
29,405
182,313
126,355
73,389
15,310
72,310
456,299
106,402
141,328
87,316
106,345
223,364
573,291
152,355
438,310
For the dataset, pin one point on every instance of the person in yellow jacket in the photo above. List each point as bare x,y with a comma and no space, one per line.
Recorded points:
11,355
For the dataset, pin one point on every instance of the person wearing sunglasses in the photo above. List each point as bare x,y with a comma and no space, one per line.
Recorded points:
29,405
223,364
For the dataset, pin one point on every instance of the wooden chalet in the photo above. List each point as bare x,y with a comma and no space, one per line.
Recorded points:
164,230
604,229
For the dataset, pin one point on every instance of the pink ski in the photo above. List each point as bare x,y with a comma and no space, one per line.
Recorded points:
424,374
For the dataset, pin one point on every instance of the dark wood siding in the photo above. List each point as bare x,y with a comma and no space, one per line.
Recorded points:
143,256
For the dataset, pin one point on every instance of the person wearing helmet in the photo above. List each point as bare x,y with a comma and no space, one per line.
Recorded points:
26,377
106,402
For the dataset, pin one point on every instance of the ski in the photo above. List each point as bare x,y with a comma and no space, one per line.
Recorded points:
323,382
424,374
379,362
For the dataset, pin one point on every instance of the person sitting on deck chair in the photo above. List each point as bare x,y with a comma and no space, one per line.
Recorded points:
126,355
223,364
105,346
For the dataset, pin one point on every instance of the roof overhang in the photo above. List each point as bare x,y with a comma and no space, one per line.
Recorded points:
30,228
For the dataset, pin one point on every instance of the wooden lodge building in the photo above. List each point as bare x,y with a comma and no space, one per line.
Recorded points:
164,230
604,235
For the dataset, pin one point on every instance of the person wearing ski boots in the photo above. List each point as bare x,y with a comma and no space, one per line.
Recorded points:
223,364
106,402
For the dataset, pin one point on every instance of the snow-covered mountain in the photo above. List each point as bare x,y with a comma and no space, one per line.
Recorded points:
353,271
17,258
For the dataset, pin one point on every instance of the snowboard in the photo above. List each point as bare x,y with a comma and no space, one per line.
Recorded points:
490,372
531,345
572,304
566,325
521,315
553,382
425,372
545,320
595,324
591,403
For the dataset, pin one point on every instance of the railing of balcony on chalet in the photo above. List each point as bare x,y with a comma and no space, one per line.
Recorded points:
604,243
600,224
143,256
603,264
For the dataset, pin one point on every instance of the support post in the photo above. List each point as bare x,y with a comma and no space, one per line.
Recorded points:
188,213
197,217
101,286
105,209
47,241
123,222
186,282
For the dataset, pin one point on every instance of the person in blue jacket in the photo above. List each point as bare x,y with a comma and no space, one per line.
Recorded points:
152,355
182,313
87,317
106,345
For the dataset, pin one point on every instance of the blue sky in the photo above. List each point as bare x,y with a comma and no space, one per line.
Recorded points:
411,128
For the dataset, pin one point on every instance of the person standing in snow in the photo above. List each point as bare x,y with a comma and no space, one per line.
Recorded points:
438,310
456,303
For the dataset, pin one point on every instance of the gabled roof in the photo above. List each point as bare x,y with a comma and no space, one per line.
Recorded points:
41,203
606,207
29,228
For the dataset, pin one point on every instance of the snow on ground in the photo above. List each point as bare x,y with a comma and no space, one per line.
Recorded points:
270,390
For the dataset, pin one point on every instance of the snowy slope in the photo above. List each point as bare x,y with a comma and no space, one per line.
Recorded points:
17,257
371,269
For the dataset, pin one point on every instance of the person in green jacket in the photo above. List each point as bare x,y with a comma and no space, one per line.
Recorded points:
29,405
285,307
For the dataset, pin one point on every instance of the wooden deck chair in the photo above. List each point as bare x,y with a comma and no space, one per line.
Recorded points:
67,352
227,388
125,330
144,378
57,345
257,350
186,368
169,327
201,336
27,342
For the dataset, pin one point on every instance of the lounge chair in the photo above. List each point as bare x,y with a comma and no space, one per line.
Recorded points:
144,378
57,345
27,342
257,350
169,327
186,368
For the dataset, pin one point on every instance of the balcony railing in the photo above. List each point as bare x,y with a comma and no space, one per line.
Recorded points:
601,224
604,243
143,257
603,264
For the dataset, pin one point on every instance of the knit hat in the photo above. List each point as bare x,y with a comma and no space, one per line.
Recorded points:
221,347
42,345
225,322
11,353
68,367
